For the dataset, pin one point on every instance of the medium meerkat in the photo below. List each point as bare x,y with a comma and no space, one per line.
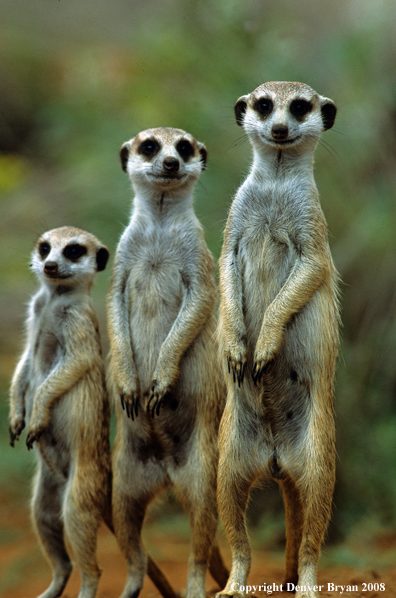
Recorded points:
278,330
164,365
59,389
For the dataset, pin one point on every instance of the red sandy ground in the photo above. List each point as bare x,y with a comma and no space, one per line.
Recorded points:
24,573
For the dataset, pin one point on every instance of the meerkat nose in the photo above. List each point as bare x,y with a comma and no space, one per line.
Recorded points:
50,267
280,132
171,164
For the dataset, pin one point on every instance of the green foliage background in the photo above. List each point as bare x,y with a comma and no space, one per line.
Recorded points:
78,78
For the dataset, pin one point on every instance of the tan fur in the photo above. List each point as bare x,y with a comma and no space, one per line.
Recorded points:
59,390
279,332
164,369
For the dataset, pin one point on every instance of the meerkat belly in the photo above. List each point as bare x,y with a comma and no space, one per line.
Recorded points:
285,389
47,353
156,292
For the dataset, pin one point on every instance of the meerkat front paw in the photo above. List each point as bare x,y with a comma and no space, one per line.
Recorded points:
156,399
236,360
17,424
130,404
129,393
129,397
34,433
163,378
267,346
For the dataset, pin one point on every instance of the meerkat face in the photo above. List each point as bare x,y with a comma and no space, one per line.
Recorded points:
165,158
284,115
68,257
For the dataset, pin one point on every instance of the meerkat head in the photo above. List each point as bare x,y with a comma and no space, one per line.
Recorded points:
163,158
284,115
68,257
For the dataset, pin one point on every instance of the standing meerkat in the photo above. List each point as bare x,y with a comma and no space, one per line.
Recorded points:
59,390
278,329
164,365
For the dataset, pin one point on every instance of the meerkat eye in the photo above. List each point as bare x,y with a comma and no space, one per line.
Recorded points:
300,108
74,251
185,149
149,148
44,249
264,106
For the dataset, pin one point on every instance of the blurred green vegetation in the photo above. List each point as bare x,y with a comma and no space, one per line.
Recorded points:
77,79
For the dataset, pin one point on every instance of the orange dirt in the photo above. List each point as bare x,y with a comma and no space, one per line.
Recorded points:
24,573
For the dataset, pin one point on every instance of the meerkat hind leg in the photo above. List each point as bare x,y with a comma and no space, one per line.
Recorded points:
129,513
294,525
82,521
202,512
217,568
46,514
233,494
315,498
233,499
316,516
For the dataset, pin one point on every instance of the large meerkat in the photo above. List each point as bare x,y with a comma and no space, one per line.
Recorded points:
59,390
279,332
164,365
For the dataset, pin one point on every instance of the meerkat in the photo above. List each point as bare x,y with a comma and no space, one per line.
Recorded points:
278,331
164,358
58,389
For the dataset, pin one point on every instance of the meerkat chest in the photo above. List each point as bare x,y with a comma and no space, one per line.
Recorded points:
47,337
157,281
268,244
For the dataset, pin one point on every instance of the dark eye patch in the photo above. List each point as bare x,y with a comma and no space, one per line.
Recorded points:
74,251
264,106
44,249
185,149
149,148
299,108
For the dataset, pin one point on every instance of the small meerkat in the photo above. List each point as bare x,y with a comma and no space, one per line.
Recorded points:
278,330
58,389
163,368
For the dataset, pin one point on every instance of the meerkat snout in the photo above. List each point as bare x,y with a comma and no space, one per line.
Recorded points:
171,165
50,268
280,132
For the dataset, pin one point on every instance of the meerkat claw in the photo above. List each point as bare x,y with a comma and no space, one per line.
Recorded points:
257,372
31,439
15,433
239,376
157,411
149,408
136,406
154,407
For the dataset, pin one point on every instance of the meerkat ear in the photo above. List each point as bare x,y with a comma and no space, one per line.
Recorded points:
204,155
124,155
240,109
102,255
329,111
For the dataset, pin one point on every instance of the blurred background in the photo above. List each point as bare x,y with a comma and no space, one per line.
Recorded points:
78,78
